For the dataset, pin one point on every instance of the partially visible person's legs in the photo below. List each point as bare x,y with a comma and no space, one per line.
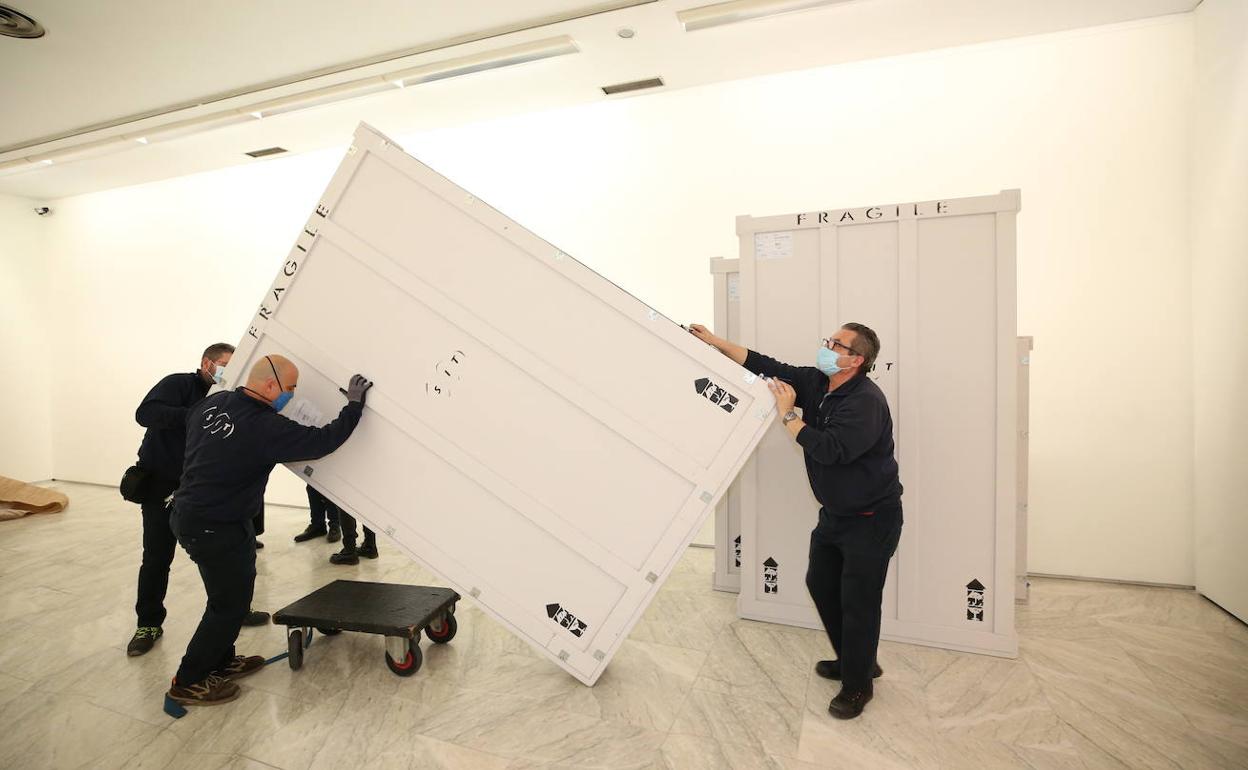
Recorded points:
369,549
348,554
317,514
159,546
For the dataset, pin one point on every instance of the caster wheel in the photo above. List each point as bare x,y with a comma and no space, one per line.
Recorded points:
294,645
410,664
330,631
442,630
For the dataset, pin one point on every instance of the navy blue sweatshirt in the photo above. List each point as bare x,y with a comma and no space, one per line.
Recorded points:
163,412
233,443
848,438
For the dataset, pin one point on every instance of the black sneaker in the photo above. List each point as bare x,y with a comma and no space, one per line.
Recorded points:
847,705
240,666
368,550
831,669
255,618
143,640
335,533
213,691
311,533
348,555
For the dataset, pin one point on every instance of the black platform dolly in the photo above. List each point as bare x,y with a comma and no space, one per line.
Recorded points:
397,612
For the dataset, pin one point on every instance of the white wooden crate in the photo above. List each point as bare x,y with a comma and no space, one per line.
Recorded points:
936,281
539,438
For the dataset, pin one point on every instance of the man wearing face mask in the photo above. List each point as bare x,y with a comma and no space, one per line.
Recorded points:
163,413
234,440
846,434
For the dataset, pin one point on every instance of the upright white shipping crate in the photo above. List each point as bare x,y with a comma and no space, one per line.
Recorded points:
936,281
539,438
727,574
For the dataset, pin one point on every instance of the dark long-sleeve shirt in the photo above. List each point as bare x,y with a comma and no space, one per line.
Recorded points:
848,438
163,412
233,442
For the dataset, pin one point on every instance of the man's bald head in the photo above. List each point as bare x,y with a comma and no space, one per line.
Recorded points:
280,368
271,375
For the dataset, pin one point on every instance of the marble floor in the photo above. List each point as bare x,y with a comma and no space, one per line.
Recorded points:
1108,676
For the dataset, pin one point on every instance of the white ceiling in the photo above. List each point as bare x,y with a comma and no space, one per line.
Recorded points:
105,61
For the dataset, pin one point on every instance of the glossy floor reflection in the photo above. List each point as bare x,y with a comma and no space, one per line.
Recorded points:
1109,676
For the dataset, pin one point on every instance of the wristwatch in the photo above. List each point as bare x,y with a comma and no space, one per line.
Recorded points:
789,417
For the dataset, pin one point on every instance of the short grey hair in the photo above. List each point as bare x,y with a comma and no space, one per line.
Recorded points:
866,344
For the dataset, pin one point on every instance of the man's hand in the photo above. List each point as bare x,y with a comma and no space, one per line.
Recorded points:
730,349
704,334
786,397
357,388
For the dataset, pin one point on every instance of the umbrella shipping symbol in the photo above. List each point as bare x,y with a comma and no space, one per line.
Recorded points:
575,625
975,601
771,576
716,394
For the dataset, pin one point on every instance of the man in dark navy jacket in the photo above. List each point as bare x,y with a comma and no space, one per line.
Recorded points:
846,434
234,440
163,412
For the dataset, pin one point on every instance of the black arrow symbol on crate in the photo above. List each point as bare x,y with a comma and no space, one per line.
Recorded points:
715,394
575,625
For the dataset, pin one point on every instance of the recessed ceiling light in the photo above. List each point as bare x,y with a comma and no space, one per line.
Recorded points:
625,32
14,23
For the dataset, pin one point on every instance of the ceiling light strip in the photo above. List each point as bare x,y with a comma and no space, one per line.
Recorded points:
720,14
523,53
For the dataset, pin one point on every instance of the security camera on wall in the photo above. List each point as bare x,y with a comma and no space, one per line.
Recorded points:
43,211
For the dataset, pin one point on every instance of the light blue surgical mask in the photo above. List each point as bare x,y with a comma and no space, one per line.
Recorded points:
217,374
826,361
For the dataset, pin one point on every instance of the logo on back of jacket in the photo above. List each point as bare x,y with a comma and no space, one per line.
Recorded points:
218,422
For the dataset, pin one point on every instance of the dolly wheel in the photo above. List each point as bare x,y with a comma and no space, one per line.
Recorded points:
294,646
442,630
411,663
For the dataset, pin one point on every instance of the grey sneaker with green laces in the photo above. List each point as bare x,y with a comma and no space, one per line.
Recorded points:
143,640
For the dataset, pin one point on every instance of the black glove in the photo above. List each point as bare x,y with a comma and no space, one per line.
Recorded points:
357,388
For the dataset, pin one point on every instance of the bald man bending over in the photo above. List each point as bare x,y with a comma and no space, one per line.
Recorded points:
233,441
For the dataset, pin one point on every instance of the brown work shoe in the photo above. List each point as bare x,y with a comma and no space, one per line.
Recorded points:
240,666
212,691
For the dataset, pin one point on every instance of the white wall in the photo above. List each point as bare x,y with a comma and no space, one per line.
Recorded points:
25,314
1219,290
1091,125
146,278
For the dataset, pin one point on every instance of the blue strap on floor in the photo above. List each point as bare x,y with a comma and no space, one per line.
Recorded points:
173,708
177,710
307,642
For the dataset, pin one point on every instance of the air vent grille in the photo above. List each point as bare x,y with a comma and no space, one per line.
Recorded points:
267,152
636,85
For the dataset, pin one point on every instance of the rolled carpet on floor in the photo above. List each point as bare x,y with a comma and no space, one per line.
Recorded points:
17,498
